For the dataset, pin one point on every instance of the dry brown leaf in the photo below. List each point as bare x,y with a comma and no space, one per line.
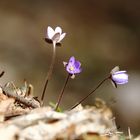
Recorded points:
5,105
2,96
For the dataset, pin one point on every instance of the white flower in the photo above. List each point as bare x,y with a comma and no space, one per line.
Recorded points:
54,36
118,77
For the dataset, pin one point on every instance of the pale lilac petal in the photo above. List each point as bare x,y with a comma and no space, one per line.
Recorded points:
58,30
120,78
120,72
121,82
72,60
78,70
50,32
62,36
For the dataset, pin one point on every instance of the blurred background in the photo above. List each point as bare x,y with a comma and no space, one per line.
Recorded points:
101,34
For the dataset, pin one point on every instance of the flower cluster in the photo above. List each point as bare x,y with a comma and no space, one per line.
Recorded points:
73,67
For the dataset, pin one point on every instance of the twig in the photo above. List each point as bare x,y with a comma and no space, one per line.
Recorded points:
29,102
14,114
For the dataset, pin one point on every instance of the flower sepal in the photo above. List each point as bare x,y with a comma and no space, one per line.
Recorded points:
50,42
114,83
72,76
65,64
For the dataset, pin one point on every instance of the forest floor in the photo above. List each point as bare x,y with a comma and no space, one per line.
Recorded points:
22,118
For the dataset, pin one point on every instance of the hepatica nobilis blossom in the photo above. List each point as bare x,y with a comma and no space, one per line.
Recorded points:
73,66
118,77
54,36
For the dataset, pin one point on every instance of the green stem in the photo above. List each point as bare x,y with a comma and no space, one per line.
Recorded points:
49,72
61,93
90,93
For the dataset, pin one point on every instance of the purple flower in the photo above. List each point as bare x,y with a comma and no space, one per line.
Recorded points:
54,36
73,66
118,77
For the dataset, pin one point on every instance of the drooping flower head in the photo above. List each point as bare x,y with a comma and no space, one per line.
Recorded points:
118,77
54,36
73,66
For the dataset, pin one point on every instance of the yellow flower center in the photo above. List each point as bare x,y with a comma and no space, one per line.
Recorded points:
71,68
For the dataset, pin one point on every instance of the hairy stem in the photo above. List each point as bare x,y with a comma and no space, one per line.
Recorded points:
49,72
90,93
61,93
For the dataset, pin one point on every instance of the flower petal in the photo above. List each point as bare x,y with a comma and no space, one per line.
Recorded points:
72,60
121,78
50,32
120,72
62,36
56,37
77,64
78,70
58,30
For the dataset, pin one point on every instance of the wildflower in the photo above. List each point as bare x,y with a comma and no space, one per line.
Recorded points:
54,36
73,66
118,77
